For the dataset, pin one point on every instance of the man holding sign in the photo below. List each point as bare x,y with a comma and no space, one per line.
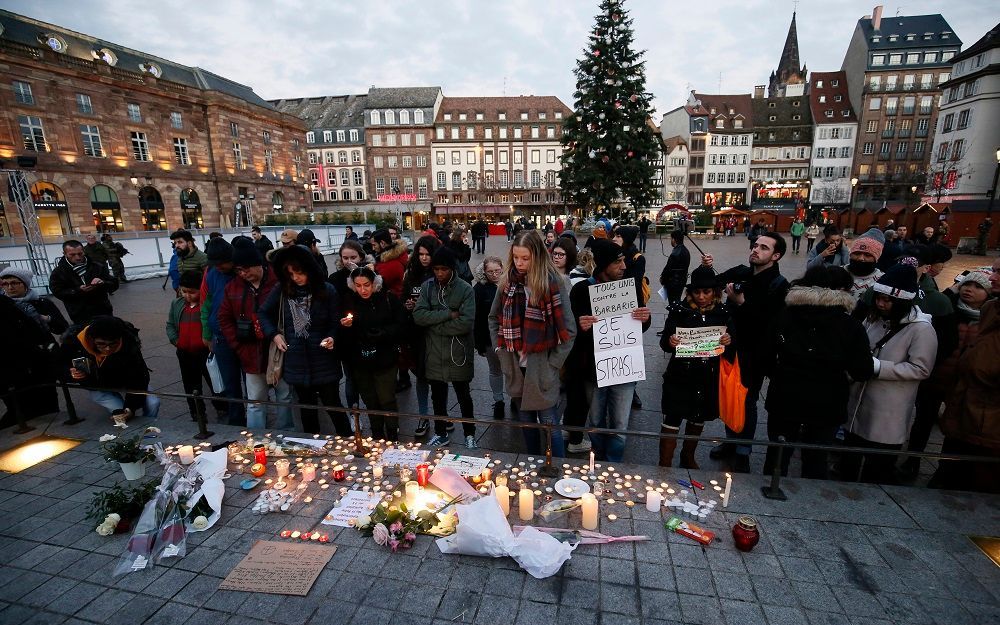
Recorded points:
607,355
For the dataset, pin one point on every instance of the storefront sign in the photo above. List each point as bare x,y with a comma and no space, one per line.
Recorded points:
398,197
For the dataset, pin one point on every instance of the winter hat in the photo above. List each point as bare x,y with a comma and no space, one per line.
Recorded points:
605,253
703,278
628,235
870,242
245,253
900,282
977,277
218,251
937,253
444,257
306,237
288,236
24,275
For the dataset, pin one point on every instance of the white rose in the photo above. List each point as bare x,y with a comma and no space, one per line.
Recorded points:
105,529
114,517
200,522
107,437
364,520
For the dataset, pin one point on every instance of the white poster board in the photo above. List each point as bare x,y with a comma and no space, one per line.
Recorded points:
618,353
611,299
404,457
466,466
700,342
354,504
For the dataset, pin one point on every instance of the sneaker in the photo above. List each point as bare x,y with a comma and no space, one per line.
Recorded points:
470,442
498,410
422,426
450,427
438,441
579,448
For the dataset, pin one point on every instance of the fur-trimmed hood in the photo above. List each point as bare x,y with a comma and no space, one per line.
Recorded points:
368,261
397,250
818,296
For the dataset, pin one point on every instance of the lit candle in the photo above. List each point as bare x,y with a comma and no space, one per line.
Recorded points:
423,473
377,471
589,509
591,461
412,494
339,473
503,498
186,454
526,504
281,466
260,453
725,494
653,500
308,472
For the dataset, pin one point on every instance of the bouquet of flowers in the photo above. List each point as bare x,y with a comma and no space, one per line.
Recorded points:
125,449
119,505
397,526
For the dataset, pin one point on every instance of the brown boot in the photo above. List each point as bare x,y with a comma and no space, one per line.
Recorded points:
687,449
667,446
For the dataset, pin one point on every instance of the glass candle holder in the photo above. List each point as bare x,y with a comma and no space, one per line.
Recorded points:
500,480
404,474
281,466
423,473
339,474
260,453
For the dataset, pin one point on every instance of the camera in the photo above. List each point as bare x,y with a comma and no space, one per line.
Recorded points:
739,286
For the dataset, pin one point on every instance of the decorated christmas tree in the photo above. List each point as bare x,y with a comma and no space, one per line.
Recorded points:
610,148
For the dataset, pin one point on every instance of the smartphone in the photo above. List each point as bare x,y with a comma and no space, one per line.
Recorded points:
81,364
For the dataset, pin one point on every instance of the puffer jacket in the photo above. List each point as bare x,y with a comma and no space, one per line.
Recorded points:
449,342
240,301
195,260
391,265
691,385
306,363
122,369
881,409
972,412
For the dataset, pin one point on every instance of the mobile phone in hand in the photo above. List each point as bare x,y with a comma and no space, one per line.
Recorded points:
82,364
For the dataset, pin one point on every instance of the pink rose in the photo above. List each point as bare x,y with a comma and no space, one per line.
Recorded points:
410,537
394,544
380,534
396,527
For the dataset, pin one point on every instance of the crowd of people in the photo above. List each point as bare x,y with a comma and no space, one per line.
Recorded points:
863,349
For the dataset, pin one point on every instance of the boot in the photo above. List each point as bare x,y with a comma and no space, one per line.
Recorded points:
687,449
667,446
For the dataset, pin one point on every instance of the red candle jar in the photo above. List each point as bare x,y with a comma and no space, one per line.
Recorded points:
423,473
338,473
745,533
260,454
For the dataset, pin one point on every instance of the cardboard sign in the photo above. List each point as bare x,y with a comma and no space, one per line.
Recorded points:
466,466
279,568
404,457
618,353
610,299
354,504
700,342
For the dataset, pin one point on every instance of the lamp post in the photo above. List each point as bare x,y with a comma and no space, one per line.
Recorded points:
850,205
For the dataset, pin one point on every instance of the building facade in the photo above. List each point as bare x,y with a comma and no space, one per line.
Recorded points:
676,159
895,67
498,155
128,141
836,129
335,147
728,150
782,150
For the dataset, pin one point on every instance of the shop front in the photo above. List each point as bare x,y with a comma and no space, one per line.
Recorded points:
714,199
51,209
191,209
106,210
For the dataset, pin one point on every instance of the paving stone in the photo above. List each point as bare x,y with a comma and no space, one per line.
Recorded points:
947,611
198,590
816,596
60,561
619,599
104,605
774,591
614,618
858,602
741,612
571,615
694,581
371,616
762,564
505,583
330,611
458,606
583,567
37,555
783,615
733,586
75,598
22,583
421,601
659,603
496,610
535,612
137,610
802,569
46,592
545,590
171,614
295,610
386,593
618,571
169,583
700,610
581,594
688,555
656,576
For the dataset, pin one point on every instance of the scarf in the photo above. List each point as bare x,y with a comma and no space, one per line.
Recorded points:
529,329
81,269
299,306
973,313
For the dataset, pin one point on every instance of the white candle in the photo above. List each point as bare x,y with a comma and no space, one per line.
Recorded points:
591,461
589,509
725,494
377,471
503,498
308,472
653,500
412,494
186,454
526,504
281,466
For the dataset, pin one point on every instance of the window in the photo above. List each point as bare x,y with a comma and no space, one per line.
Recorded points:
957,149
518,179
963,119
422,187
419,138
535,132
741,178
355,156
819,85
730,177
358,177
874,104
947,56
503,157
331,157
869,148
342,157
517,132
331,178
901,148
518,157
550,156
550,132
845,152
83,104
140,147
439,157
375,118
266,137
181,156
312,158
269,161
470,132
91,141
895,59
948,122
912,58
488,133
884,147
943,151
310,137
503,181
404,117
456,180
821,152
418,118
392,162
470,157
471,180
390,117
891,105
376,141
234,130
345,177
404,139
878,59
722,159
710,178
721,123
536,178
454,132
237,156
536,156
390,140
421,161
488,157
407,161
503,132
134,113
456,157
378,162
724,140
442,181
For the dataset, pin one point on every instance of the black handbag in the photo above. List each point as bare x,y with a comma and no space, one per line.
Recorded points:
245,332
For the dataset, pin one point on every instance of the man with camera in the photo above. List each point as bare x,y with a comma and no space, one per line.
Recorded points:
757,295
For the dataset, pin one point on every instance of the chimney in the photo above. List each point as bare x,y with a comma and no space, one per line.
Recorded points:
758,92
877,17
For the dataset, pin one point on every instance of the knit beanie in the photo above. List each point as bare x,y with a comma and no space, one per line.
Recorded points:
444,257
605,253
628,235
938,253
245,253
24,275
899,282
703,278
977,277
870,242
218,251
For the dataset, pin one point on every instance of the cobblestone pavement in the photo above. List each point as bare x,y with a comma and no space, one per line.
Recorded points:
833,553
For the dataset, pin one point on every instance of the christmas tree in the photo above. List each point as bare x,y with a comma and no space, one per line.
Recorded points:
610,149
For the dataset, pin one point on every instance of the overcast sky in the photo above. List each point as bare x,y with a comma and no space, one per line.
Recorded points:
294,48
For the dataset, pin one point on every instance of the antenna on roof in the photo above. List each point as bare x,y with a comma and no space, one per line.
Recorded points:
505,86
720,83
898,11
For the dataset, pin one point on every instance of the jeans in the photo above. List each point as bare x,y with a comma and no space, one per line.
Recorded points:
439,397
229,365
796,243
115,401
814,462
378,390
810,242
257,388
877,469
496,375
423,389
610,408
750,423
479,245
578,400
642,241
533,438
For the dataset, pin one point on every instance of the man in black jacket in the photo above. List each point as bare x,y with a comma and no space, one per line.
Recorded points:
675,273
83,285
757,295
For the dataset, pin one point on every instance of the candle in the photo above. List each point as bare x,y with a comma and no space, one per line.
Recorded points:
377,471
423,473
412,494
308,472
186,454
591,461
281,466
503,498
653,500
526,504
589,509
338,473
487,474
260,453
725,494
500,480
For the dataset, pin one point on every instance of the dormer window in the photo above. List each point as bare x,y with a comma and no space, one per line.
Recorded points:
447,117
151,68
105,55
796,118
911,36
770,105
829,113
732,112
54,42
720,123
834,83
796,102
893,38
819,85
928,36
772,118
946,34
822,99
876,39
712,110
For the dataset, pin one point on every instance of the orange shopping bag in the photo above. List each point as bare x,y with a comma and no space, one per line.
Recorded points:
732,394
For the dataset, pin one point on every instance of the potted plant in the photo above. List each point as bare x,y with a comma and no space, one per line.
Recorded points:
119,506
129,452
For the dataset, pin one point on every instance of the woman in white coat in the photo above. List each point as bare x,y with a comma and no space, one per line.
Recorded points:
903,344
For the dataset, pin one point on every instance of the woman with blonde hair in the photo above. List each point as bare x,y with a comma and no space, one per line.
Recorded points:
532,329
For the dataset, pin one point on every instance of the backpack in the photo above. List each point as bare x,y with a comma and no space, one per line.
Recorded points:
646,291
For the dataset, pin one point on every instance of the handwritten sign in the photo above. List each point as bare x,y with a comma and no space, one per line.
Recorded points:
279,568
610,299
354,504
618,353
467,466
700,342
404,457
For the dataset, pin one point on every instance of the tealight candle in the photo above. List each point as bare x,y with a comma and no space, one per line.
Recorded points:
653,501
281,466
377,471
308,472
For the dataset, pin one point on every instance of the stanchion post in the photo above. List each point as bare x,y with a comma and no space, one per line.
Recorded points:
773,491
22,425
548,469
199,413
359,445
70,406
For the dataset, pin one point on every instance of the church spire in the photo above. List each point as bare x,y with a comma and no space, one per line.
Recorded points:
789,70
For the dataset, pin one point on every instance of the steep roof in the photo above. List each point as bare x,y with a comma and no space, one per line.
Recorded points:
388,97
728,107
933,26
671,143
31,32
512,106
326,112
989,40
784,125
834,84
789,69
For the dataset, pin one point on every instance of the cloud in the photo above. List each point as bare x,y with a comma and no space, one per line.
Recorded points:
293,48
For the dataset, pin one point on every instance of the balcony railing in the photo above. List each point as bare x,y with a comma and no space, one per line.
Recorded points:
925,110
884,156
904,132
921,132
891,111
888,133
